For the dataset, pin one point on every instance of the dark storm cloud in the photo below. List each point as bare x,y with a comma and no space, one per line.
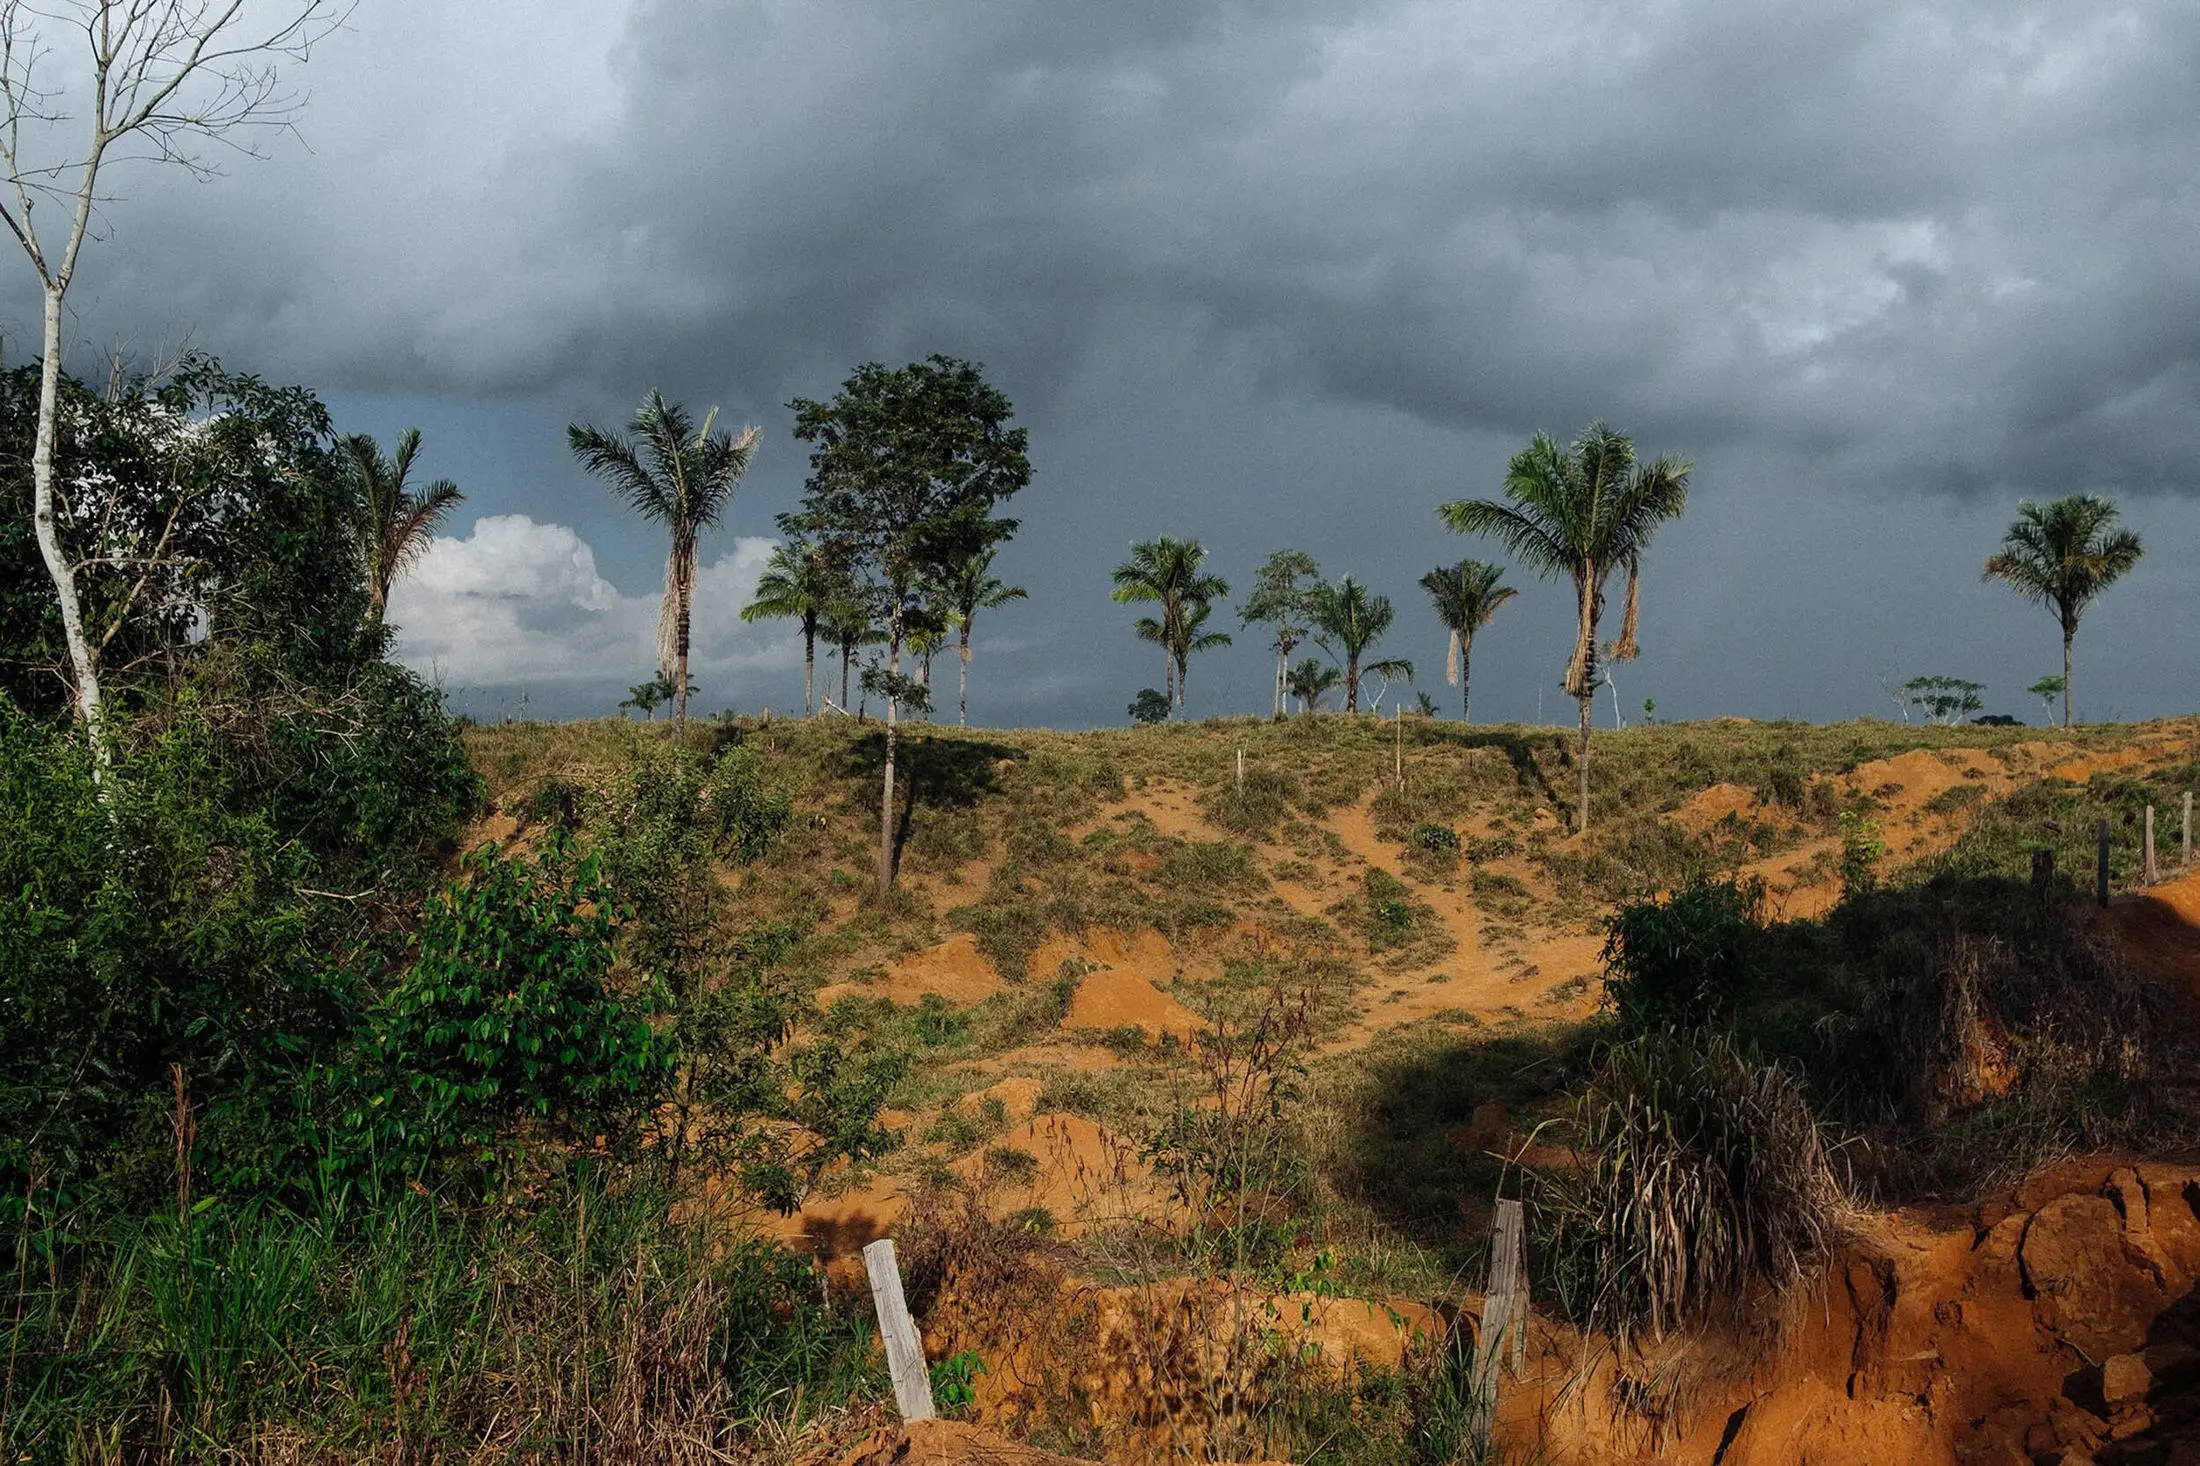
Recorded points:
1271,272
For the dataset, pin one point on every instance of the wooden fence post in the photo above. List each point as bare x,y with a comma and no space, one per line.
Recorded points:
2188,827
1398,744
2100,882
1241,774
2147,870
2043,876
1504,1327
904,1353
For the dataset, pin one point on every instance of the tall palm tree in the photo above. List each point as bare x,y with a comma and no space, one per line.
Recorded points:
2063,554
1465,595
1167,572
1582,511
393,524
1348,621
973,587
683,477
796,583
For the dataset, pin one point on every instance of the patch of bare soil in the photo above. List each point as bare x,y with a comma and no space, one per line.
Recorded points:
1801,883
947,1443
954,970
1708,807
2159,930
1077,1171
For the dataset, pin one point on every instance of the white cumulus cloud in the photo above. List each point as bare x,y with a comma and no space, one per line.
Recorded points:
520,605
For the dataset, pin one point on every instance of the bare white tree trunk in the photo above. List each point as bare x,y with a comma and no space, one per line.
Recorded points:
83,660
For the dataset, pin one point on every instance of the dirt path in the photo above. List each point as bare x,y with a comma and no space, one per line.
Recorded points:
1473,979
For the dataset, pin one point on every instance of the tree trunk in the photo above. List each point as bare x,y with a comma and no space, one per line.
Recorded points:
91,705
1276,707
809,671
1466,677
1581,823
962,680
680,665
886,791
847,659
2069,634
1352,685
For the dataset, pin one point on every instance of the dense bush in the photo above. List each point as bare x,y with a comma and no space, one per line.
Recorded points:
198,931
1686,960
507,1014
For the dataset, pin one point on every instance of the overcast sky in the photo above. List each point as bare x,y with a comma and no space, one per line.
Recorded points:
1274,274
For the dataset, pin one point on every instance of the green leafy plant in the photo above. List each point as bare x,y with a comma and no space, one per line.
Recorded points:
507,1013
954,1382
1687,960
1862,849
1150,706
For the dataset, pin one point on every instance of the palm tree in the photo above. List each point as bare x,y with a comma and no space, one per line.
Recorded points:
393,524
1348,620
1191,637
2063,554
684,478
1466,595
845,622
1167,571
973,587
1582,512
796,582
1309,680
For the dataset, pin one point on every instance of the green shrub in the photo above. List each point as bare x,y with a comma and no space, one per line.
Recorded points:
1434,838
507,1013
1688,960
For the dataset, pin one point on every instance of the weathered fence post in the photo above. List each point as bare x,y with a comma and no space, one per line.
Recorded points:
2100,883
2043,877
1398,744
1241,774
904,1353
2188,827
1504,1316
2147,870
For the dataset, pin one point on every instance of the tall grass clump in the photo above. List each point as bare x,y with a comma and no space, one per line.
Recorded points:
584,1327
1704,1178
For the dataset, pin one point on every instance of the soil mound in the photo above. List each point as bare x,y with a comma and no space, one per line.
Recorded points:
1079,1173
1708,807
954,970
1113,1000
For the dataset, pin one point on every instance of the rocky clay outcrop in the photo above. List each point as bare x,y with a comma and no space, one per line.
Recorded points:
2055,1325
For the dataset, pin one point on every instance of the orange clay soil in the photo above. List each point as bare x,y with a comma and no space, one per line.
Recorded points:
2159,929
2055,1324
947,1443
954,970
